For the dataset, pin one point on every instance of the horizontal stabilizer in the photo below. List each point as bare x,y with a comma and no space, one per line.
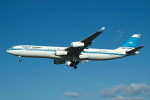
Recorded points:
133,51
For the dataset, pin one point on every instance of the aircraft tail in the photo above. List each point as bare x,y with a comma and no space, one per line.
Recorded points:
130,45
132,41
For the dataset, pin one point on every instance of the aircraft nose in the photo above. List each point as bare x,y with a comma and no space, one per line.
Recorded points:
8,51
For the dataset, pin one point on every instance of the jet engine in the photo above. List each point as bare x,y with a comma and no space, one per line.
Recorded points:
59,61
60,53
77,44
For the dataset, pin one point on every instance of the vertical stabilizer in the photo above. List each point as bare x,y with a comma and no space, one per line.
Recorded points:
132,41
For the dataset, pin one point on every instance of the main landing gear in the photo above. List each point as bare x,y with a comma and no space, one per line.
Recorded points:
75,67
74,64
20,59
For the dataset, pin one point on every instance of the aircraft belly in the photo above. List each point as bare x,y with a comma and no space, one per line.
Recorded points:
38,54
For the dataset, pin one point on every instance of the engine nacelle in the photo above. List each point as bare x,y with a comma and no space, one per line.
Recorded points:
60,53
77,44
68,63
59,61
83,56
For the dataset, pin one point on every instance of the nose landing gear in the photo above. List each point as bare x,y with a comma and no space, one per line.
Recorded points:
20,59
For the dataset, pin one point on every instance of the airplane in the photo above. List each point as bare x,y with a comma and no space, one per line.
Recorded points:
78,52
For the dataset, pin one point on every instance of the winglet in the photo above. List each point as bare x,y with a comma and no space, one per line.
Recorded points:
102,28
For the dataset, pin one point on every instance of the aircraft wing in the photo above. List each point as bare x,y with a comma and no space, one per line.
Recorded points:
86,42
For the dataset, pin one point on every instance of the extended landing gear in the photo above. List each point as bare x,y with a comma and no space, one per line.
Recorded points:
75,67
72,64
20,59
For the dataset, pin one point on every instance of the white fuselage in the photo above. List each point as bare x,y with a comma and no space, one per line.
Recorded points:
50,52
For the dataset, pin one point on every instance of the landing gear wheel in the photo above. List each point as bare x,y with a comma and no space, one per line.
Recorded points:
75,67
20,60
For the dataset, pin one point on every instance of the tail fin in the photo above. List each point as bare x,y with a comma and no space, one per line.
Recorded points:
129,46
132,41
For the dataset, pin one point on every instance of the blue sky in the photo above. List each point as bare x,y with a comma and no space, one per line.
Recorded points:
60,22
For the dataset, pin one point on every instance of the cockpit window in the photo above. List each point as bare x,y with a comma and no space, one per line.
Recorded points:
12,48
